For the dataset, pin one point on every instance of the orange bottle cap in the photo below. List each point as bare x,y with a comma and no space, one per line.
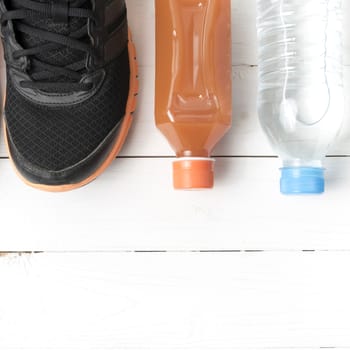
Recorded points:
193,173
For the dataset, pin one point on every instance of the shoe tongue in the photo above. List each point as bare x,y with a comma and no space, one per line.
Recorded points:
62,55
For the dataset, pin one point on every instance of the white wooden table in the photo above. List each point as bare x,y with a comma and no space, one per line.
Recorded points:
129,263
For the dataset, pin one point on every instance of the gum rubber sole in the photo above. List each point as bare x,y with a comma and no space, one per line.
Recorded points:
119,141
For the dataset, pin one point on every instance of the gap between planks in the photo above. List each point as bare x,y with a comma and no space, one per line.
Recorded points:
193,251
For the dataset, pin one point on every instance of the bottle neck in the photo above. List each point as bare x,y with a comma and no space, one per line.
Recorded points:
195,153
301,163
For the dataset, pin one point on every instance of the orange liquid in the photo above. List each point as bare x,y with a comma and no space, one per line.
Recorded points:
193,73
193,104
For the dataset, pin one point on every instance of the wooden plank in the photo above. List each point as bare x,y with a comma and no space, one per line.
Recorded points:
133,207
244,35
175,301
245,137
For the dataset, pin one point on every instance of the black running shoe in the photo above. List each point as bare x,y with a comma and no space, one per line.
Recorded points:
71,87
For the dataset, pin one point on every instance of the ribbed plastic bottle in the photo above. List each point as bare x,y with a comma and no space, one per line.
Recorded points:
301,97
193,95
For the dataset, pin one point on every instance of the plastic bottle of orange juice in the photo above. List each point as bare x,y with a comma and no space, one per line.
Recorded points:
193,103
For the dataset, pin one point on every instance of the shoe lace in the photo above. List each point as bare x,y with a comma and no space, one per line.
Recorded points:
46,75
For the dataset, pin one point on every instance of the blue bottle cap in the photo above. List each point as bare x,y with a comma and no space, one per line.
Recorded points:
302,180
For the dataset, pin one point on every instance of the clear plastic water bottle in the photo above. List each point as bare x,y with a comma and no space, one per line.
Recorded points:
301,95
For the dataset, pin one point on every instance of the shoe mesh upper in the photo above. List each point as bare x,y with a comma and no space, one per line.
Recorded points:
55,138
